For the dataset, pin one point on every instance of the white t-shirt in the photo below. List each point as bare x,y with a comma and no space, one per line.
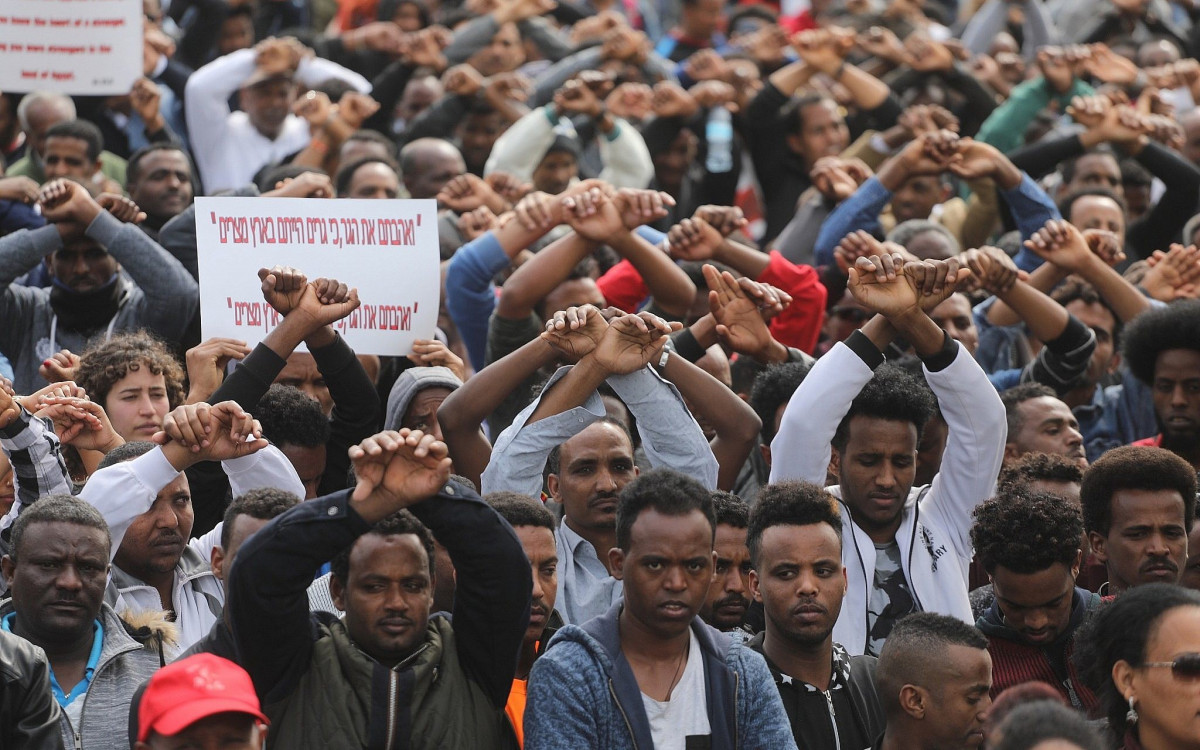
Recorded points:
682,721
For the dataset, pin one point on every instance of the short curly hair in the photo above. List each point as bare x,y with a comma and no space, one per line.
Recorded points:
289,417
790,503
1134,467
397,524
1026,531
1039,467
1176,326
773,388
892,394
1017,395
101,366
663,490
730,509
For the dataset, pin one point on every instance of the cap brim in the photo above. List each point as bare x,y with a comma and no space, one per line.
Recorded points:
186,714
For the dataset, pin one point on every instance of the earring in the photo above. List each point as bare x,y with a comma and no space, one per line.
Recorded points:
1131,716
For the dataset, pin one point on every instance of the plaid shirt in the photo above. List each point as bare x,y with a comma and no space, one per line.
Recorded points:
38,467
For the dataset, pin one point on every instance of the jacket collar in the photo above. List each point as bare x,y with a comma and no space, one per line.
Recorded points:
840,658
720,682
992,623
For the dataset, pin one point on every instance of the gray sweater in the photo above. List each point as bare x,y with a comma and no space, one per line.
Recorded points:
157,294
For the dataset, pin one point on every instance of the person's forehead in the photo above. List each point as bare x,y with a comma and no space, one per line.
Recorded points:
954,306
1037,410
79,244
812,541
872,433
1092,163
599,440
730,536
62,537
374,171
165,159
429,396
1132,507
376,553
1090,206
176,488
1092,314
300,365
66,143
537,541
1178,363
672,536
244,526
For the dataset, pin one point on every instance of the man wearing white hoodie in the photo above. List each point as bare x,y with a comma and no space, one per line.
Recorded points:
909,548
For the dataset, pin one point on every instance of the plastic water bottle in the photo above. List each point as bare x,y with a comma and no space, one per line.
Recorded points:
719,134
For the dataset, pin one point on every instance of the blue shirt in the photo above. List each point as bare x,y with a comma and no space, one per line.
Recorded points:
66,699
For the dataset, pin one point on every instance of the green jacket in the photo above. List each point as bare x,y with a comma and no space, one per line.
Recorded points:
1005,128
426,702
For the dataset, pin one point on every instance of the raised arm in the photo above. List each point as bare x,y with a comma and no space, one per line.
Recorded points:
32,450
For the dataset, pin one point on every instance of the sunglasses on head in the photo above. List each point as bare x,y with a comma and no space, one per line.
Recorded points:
1185,666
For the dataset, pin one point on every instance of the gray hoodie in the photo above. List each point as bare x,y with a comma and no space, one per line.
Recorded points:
411,382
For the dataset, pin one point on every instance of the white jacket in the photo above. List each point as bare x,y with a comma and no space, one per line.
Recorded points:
934,535
124,491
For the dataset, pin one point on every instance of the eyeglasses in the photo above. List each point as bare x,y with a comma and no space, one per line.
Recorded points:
1185,666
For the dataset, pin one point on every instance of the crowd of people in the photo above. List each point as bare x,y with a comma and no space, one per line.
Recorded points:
808,374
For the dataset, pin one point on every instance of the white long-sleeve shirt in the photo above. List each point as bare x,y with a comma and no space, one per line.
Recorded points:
124,491
627,161
229,150
934,535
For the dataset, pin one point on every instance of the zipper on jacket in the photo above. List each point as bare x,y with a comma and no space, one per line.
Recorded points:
78,739
837,738
737,738
612,691
393,682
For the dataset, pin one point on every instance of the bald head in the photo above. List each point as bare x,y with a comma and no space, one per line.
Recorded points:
41,110
428,164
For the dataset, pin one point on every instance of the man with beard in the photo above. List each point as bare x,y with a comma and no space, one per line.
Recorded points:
144,496
795,539
934,678
1162,349
728,595
230,147
1029,544
1138,506
649,671
88,248
590,455
159,179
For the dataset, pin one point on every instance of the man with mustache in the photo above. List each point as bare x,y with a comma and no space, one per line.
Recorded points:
649,672
159,179
1029,543
1138,506
589,454
1162,348
795,539
57,567
729,594
933,677
534,525
144,496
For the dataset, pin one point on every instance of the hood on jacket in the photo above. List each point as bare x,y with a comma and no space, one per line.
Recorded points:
993,626
411,382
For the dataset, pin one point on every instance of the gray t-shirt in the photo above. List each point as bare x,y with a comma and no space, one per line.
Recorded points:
891,597
681,723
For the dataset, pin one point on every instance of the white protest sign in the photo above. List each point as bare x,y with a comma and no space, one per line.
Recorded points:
388,249
70,46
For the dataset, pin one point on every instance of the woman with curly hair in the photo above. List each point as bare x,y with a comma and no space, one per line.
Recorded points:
136,379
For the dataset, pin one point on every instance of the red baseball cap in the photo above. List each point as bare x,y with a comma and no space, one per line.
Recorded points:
185,691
